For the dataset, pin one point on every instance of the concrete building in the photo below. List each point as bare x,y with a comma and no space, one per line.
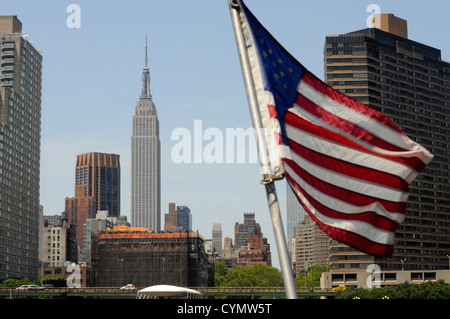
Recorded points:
20,140
256,252
311,245
374,277
229,256
410,82
250,244
146,160
54,250
59,244
243,231
78,209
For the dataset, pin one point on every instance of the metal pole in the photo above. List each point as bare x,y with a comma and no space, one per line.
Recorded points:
280,239
272,198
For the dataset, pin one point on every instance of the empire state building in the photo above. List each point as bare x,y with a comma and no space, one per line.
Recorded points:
146,160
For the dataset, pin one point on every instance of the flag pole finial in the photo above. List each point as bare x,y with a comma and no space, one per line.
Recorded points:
234,3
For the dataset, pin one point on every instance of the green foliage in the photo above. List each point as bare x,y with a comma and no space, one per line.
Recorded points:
317,270
16,282
55,281
427,290
254,276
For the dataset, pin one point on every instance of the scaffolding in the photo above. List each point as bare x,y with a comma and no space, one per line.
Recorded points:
128,255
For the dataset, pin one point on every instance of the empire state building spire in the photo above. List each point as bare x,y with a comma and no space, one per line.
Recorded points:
146,160
146,94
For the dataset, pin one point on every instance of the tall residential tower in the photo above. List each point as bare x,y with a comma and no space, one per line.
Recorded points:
410,82
20,141
146,160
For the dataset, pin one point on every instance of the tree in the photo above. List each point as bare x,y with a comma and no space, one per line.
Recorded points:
247,276
317,270
16,282
427,290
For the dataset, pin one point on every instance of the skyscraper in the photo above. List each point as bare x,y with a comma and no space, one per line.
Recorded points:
410,82
294,212
217,238
179,219
100,174
146,160
184,218
20,140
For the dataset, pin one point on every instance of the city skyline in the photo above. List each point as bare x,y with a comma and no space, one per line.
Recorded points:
202,81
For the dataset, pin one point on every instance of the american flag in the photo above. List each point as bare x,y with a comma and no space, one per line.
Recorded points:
349,165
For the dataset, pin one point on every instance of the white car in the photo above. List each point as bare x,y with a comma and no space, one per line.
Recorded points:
28,287
128,287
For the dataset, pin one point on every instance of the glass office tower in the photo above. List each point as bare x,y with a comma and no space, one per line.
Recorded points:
100,174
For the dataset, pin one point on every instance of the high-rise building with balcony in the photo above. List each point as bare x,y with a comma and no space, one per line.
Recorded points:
146,160
410,82
20,141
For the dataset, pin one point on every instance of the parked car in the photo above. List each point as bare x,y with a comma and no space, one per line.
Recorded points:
28,287
47,286
128,287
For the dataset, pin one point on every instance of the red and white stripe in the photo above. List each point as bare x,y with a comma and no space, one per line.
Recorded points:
349,165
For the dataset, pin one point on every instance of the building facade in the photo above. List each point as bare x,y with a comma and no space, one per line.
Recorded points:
20,140
311,245
54,248
250,245
217,239
184,218
229,256
78,209
99,173
93,227
410,82
255,253
243,231
178,219
294,213
146,160
127,255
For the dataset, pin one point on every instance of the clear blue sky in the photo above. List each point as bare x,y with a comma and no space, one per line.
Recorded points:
92,80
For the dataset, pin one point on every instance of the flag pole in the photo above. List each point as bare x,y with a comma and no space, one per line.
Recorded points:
268,182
